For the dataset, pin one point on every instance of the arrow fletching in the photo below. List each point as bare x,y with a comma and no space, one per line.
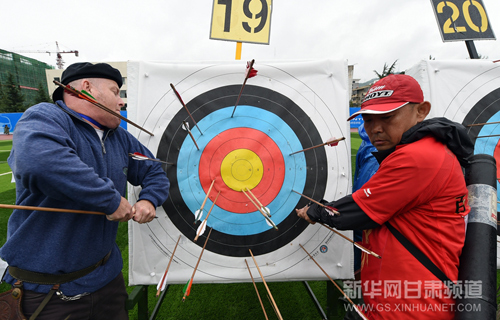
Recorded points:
197,215
251,72
187,287
266,210
333,142
163,282
201,229
138,156
88,94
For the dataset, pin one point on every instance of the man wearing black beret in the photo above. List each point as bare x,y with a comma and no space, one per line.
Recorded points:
74,155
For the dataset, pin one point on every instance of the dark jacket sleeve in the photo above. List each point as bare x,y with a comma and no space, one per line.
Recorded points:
351,216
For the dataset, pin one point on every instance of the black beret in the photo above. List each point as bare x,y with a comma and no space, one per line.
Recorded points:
83,70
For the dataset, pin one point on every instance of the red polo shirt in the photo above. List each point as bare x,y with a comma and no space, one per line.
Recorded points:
421,191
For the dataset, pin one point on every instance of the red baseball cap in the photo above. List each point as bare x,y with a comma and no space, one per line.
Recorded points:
390,93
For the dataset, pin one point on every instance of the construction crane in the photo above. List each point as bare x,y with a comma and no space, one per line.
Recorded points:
59,60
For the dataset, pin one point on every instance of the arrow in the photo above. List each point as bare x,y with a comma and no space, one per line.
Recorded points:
267,288
13,206
360,247
199,212
184,105
203,225
336,285
190,134
88,98
260,210
327,208
31,208
482,124
331,143
493,135
187,290
250,73
257,291
163,281
265,209
141,157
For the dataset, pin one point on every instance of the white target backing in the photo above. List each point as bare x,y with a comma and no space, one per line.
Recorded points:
287,107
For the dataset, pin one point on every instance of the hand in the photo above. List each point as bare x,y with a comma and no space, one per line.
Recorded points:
123,213
143,211
302,213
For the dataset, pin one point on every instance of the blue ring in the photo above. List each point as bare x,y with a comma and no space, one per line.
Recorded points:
242,224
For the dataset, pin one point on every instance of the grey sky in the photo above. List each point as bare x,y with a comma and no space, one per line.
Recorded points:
366,33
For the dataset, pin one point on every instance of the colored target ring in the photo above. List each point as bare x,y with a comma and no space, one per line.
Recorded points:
261,112
261,170
221,129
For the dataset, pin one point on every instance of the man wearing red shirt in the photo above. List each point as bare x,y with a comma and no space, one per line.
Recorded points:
419,190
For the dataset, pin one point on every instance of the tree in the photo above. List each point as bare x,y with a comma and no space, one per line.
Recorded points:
386,71
3,99
42,95
13,98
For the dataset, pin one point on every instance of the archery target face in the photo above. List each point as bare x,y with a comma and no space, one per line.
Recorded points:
467,92
285,108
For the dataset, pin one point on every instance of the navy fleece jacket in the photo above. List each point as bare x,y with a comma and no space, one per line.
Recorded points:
58,160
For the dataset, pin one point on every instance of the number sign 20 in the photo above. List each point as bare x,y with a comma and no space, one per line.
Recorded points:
462,20
241,20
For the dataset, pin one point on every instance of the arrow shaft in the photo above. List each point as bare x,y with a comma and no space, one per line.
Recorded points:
260,210
319,145
206,197
336,285
243,86
142,157
482,124
185,107
493,135
97,104
267,288
168,267
198,262
257,291
190,134
13,206
257,200
208,215
318,203
354,243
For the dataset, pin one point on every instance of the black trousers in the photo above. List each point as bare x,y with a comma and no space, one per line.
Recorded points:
105,304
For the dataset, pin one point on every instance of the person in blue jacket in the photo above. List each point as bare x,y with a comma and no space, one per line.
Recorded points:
366,166
74,155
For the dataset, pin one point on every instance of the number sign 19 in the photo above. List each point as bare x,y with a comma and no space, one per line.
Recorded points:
461,20
241,20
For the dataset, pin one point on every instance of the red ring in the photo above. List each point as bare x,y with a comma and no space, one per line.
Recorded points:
242,138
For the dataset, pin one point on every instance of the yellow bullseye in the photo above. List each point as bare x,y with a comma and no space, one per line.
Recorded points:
241,168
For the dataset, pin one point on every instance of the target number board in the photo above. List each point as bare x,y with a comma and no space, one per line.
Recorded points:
241,20
460,20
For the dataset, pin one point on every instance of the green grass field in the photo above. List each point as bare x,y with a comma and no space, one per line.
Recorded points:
209,301
206,301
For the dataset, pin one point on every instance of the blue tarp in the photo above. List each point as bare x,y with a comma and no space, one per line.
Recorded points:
11,119
356,122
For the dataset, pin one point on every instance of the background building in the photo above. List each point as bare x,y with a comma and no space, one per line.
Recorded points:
28,73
